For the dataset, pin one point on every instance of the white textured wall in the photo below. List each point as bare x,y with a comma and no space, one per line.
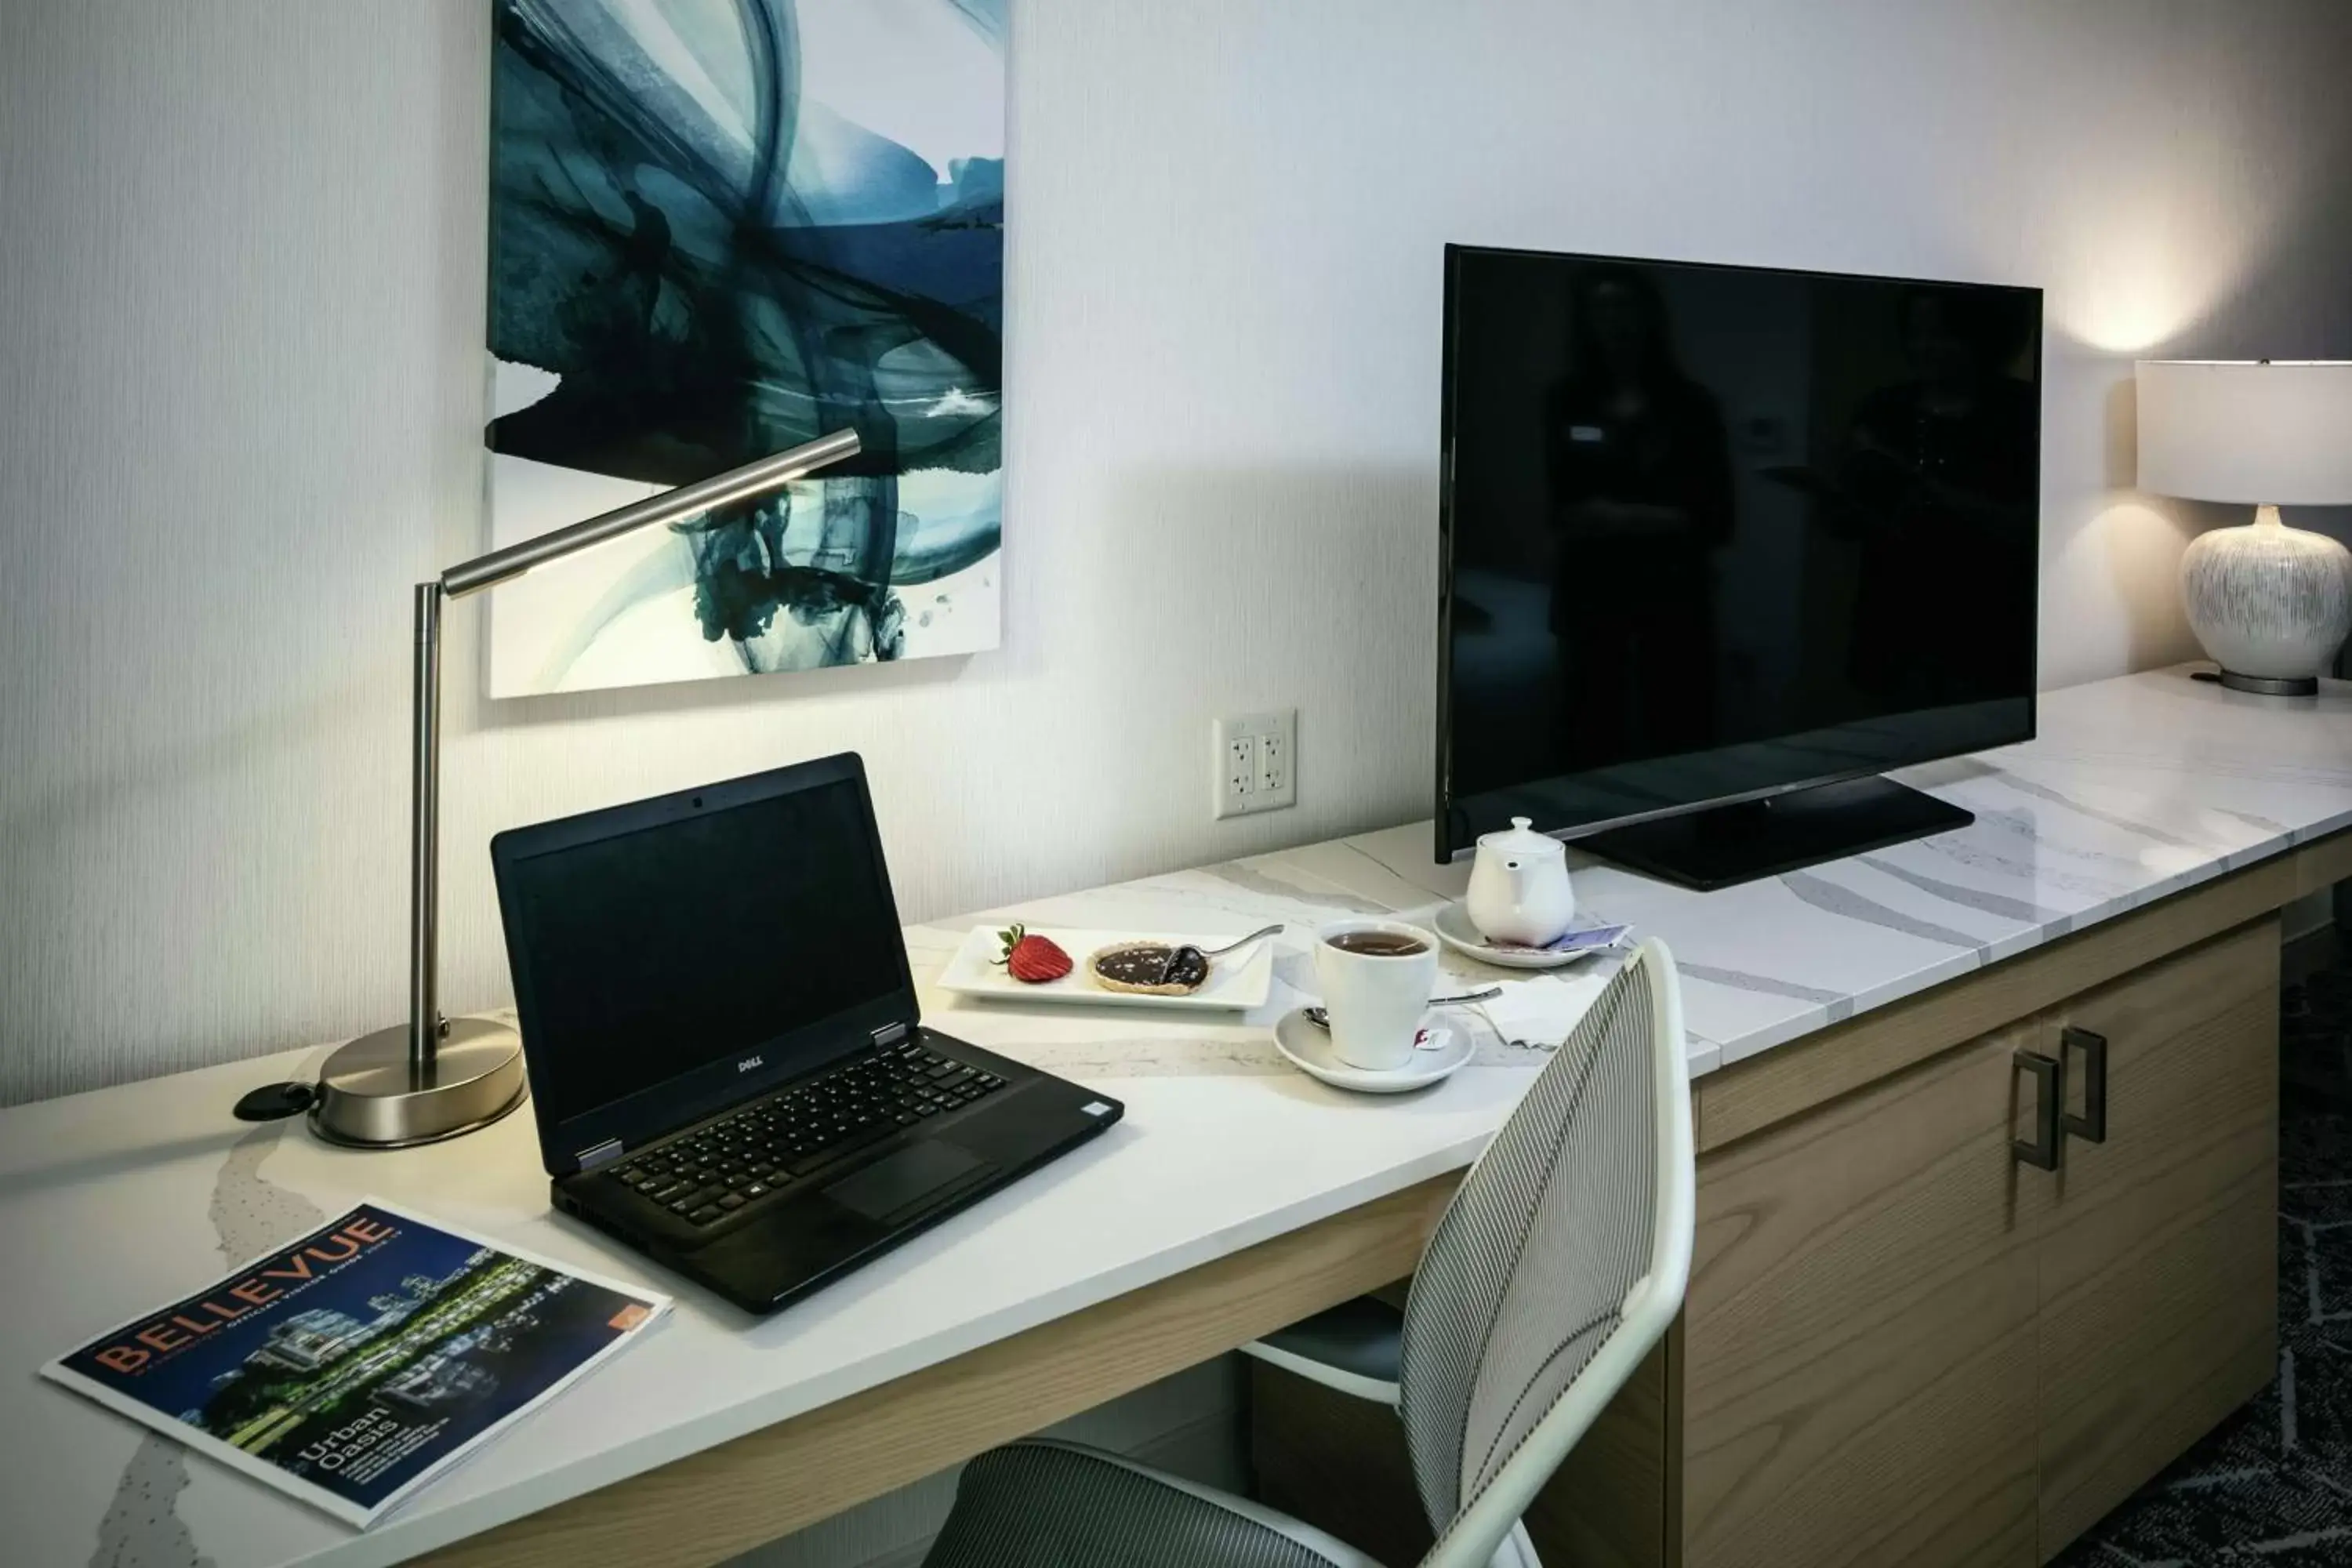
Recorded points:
240,387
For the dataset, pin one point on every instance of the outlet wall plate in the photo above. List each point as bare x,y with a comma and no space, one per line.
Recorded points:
1257,762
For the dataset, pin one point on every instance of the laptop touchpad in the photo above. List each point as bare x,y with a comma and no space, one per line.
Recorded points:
889,1188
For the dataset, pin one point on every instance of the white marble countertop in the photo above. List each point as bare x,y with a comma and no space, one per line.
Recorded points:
119,1200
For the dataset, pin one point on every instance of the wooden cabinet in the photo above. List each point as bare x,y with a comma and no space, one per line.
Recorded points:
1901,1344
1859,1340
2158,1256
1904,1346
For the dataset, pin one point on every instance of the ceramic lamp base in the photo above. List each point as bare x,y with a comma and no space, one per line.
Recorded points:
2270,604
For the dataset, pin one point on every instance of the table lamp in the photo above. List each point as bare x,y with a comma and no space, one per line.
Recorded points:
435,1078
2270,604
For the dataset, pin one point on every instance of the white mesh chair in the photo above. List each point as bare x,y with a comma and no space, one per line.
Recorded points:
1557,1266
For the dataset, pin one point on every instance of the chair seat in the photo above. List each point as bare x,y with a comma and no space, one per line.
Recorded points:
1559,1263
1353,1348
1047,1504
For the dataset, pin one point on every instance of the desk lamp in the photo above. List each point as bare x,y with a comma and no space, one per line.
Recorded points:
435,1078
2270,604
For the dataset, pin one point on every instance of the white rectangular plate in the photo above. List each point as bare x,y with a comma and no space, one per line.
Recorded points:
1236,982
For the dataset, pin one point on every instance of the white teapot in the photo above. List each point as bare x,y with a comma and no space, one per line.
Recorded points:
1519,886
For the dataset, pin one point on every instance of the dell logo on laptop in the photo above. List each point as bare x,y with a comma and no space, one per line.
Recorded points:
748,1063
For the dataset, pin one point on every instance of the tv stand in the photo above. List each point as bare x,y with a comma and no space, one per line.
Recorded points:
1724,846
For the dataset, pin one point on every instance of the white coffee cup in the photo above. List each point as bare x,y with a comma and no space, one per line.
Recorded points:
1375,1000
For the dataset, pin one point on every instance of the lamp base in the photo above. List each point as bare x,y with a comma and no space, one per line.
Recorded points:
367,1099
2269,598
2263,685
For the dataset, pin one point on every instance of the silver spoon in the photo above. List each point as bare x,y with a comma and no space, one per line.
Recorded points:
1168,966
1274,930
1322,1020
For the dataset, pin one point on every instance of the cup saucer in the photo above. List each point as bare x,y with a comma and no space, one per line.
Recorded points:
1309,1050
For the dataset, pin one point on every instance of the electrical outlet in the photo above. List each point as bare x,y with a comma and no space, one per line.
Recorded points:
1274,762
1240,767
1255,767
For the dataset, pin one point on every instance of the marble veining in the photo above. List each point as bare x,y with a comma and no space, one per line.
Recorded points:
1256,879
2024,785
1984,853
1837,900
141,1527
1978,899
250,1213
1712,974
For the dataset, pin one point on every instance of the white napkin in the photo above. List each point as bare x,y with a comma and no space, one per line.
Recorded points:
1541,1012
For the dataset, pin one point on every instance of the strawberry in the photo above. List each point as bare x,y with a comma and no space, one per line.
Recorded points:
1032,960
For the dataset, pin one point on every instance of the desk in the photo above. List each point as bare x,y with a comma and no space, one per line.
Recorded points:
1236,1196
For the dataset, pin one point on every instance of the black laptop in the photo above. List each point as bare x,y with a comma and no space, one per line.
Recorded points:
726,1058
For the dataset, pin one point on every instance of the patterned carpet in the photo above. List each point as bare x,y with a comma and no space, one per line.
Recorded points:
2273,1483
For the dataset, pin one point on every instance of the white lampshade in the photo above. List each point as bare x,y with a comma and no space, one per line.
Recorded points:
2263,432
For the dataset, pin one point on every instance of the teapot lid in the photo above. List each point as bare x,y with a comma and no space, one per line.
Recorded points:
1520,838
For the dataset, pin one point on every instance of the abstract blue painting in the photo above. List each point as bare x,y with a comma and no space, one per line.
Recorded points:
720,229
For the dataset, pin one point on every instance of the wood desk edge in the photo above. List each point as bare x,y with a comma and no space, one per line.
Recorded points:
727,1498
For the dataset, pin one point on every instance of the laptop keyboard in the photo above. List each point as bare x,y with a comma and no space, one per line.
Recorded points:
725,1166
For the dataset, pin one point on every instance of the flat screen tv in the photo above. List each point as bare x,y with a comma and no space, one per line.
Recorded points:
1721,544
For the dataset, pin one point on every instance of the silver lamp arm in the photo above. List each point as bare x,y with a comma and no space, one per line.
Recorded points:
434,1078
753,479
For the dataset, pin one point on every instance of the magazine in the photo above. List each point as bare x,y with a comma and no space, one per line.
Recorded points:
350,1367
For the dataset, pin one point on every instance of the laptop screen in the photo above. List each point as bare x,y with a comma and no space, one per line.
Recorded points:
709,934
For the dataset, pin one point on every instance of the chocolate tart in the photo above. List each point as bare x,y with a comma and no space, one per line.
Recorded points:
1144,967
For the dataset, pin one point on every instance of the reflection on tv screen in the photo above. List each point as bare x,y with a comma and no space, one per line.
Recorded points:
1713,531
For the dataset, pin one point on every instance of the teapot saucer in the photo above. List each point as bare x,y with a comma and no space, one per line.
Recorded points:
1453,929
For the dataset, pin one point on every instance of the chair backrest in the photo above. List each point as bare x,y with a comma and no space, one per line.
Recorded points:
1556,1268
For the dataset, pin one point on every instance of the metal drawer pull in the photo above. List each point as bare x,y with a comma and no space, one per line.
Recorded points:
2091,1127
2043,1149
